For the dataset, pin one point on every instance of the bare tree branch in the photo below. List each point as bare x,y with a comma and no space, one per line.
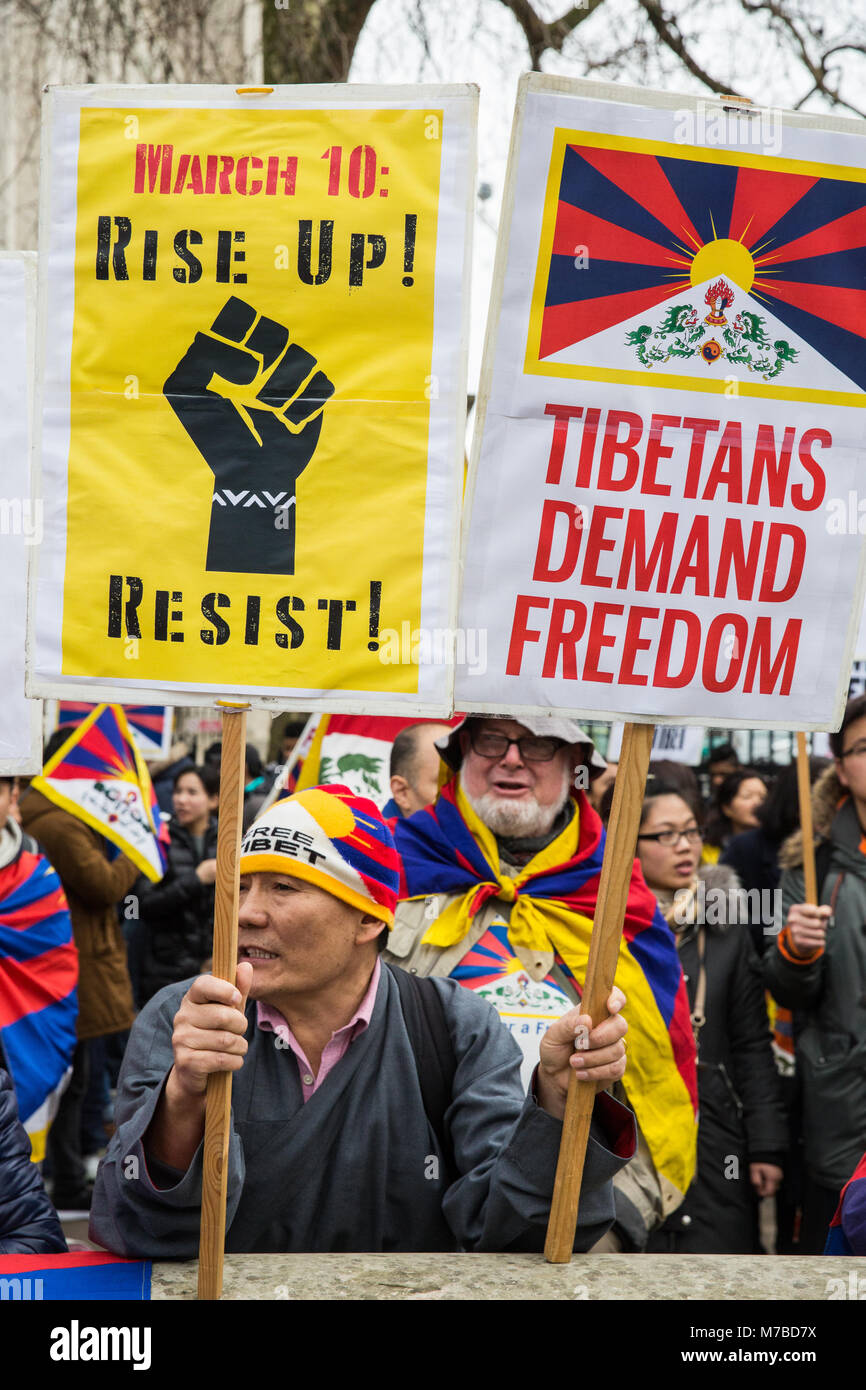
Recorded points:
542,35
669,33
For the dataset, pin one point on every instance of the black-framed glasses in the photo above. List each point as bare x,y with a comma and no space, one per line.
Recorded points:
669,838
488,744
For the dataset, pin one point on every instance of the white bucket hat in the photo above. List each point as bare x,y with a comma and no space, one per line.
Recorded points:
543,726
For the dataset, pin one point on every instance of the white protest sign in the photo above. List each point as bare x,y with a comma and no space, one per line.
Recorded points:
672,398
20,515
679,743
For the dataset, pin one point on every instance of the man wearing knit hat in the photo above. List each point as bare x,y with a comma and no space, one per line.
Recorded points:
501,882
332,1146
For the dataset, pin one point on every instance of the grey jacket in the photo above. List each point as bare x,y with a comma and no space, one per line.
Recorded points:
357,1167
829,994
643,1199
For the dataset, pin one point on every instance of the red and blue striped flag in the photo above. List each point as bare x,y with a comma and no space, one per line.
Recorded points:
38,980
99,776
80,1275
150,725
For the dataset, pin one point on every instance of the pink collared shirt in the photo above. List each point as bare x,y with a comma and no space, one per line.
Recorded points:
271,1021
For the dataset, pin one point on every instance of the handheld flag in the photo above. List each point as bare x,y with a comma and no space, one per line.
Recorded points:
38,998
99,776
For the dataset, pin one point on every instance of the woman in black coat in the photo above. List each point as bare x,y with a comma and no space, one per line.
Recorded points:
177,913
742,1135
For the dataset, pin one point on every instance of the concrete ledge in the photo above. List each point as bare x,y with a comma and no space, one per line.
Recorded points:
680,1278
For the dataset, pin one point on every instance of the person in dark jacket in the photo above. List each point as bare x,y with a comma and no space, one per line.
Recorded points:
742,1135
28,1221
817,967
177,913
754,854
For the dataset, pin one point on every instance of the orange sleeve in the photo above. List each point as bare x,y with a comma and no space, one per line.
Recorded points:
783,941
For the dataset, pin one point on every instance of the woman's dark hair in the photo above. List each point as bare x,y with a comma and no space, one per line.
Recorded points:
253,761
719,825
678,779
855,709
655,788
721,753
57,739
780,813
207,774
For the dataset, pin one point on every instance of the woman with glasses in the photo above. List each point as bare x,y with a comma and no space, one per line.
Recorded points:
817,967
742,1135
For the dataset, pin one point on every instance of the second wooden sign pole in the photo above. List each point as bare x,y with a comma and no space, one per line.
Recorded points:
225,964
616,868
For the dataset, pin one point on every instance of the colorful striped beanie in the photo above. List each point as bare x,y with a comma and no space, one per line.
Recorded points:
332,838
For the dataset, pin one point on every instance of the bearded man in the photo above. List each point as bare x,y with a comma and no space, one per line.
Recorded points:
500,884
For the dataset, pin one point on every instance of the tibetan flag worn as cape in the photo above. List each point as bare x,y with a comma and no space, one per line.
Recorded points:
38,982
447,849
851,1221
99,776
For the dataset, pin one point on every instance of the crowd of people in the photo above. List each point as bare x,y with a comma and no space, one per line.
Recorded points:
407,1008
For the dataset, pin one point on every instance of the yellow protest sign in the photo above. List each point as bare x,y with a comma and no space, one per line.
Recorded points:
253,389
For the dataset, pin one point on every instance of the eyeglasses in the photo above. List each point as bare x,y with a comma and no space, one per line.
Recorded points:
669,838
532,750
858,751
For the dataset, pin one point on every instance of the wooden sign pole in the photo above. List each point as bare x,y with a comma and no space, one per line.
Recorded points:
225,964
628,794
804,793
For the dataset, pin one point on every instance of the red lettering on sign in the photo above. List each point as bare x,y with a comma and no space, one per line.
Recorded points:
814,469
655,451
598,639
520,633
574,519
564,639
635,644
614,447
563,414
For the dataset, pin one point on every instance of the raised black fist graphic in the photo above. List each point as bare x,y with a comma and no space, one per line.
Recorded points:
256,441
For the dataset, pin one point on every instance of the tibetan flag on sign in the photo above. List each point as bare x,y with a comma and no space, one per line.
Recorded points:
150,725
700,265
99,776
38,999
447,849
356,750
80,1275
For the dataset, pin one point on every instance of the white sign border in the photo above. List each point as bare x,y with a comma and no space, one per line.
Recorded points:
542,83
439,593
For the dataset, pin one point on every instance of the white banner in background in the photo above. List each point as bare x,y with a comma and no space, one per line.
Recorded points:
20,515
